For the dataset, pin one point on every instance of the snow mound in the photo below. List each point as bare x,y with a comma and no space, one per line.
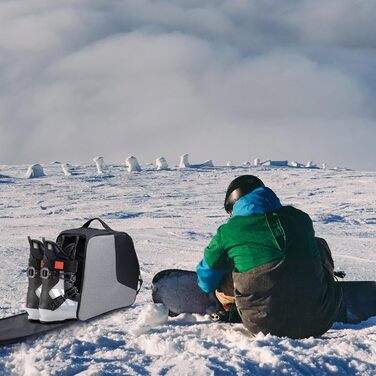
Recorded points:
275,163
99,162
184,163
296,164
161,163
132,164
66,169
310,164
208,163
35,171
153,315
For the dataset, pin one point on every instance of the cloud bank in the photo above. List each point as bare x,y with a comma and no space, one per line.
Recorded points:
225,80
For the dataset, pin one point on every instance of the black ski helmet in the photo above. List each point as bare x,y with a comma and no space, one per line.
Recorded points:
239,187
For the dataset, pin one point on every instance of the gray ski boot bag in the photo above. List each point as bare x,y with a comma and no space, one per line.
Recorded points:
108,272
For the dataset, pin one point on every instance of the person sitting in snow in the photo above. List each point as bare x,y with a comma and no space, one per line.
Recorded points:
267,260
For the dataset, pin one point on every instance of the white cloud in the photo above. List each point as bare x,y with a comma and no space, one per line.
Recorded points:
222,80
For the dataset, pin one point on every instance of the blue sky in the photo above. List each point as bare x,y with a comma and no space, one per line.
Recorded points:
226,80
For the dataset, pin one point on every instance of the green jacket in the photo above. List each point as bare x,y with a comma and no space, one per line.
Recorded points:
245,243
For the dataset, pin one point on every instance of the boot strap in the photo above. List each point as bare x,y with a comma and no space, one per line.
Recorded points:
52,268
57,302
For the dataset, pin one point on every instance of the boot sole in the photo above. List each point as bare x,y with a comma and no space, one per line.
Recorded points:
33,314
64,312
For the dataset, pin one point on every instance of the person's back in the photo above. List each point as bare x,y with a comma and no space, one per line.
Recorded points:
282,275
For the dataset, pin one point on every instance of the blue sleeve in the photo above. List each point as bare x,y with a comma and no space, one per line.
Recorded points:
209,279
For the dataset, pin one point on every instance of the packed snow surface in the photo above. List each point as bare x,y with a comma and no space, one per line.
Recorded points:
171,216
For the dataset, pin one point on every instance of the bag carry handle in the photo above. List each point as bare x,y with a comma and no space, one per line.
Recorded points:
87,224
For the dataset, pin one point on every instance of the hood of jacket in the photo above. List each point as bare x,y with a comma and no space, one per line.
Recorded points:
260,201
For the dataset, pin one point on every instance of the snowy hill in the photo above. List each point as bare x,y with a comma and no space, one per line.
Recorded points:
171,215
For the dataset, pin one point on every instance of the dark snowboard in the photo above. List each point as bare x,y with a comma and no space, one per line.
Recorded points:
178,290
18,328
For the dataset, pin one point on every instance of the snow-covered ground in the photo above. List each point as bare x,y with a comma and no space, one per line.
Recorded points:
171,216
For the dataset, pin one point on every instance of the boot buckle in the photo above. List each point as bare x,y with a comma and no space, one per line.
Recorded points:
45,273
31,272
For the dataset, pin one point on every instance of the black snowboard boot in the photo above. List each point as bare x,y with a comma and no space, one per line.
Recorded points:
35,280
59,297
229,313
